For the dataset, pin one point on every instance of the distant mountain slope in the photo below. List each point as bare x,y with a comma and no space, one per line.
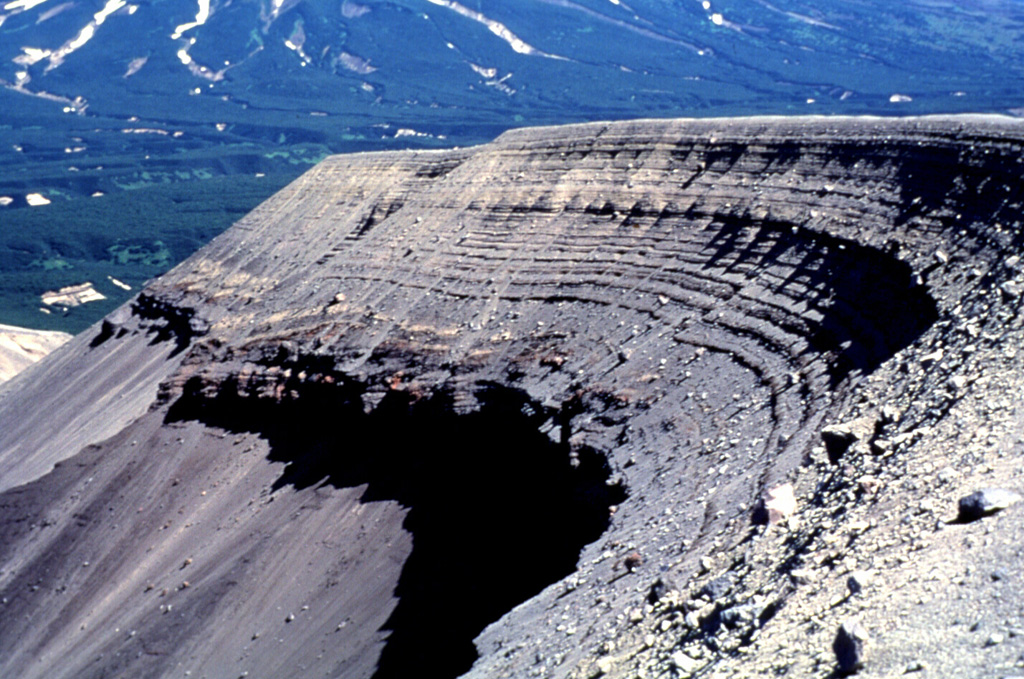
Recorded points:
20,348
512,410
453,67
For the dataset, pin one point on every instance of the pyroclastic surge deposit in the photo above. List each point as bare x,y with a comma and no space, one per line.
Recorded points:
653,398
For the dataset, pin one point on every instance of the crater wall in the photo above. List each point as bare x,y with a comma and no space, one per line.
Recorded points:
682,305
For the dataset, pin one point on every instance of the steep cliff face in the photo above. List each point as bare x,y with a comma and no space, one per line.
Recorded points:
462,409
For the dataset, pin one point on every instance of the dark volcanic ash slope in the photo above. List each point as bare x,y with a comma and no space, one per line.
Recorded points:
461,410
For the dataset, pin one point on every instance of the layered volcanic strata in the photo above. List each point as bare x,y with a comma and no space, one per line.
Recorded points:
478,410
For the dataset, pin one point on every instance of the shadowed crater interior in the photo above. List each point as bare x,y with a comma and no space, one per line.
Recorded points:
869,303
497,508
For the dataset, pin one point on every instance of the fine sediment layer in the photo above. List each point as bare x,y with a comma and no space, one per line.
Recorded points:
463,409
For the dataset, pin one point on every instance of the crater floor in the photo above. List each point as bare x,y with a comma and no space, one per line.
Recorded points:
512,410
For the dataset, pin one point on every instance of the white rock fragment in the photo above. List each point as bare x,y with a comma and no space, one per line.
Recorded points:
682,662
859,581
604,666
1010,289
802,576
779,503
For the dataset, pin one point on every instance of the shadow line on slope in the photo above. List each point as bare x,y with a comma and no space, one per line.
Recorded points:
496,508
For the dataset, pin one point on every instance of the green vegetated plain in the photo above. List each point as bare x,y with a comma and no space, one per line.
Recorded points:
130,236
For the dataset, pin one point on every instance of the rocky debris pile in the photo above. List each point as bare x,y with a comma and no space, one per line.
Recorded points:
817,575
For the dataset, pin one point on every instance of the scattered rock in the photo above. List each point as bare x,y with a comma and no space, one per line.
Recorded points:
604,666
889,414
552,361
839,437
995,639
928,360
633,561
802,576
719,587
114,324
692,619
851,645
859,581
868,484
1010,289
987,501
778,504
916,666
881,446
739,616
660,589
683,663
